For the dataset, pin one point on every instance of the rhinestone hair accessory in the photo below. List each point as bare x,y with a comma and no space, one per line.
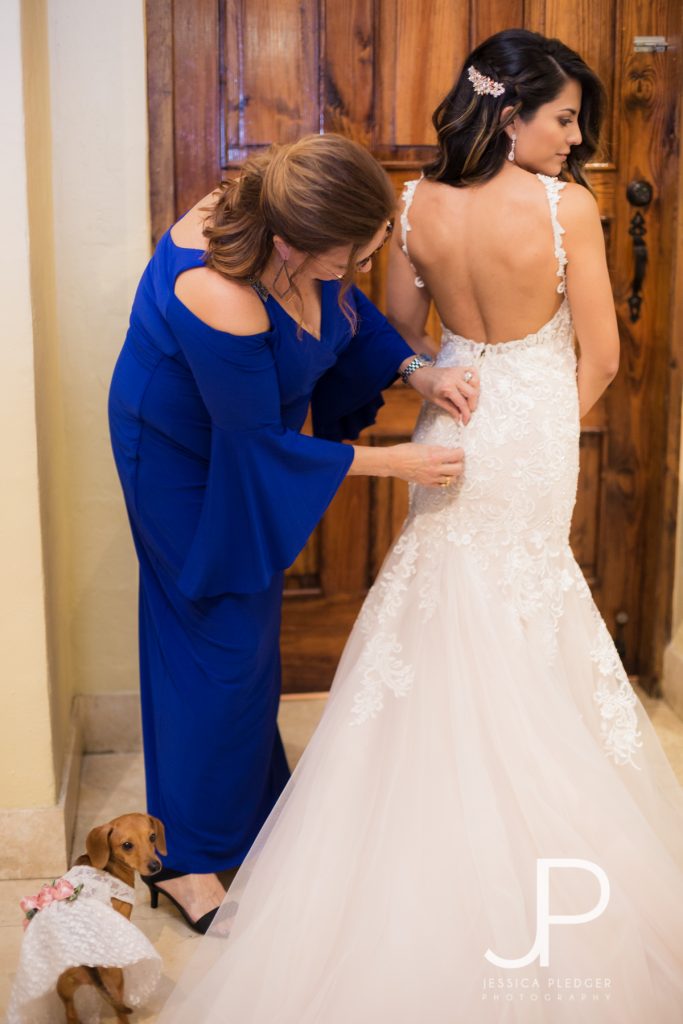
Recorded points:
483,84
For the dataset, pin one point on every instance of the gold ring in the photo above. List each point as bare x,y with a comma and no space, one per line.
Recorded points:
446,482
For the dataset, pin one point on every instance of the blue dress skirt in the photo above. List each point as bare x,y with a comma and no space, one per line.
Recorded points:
222,492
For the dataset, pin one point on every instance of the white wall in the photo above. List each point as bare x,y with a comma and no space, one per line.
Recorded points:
101,222
27,774
75,239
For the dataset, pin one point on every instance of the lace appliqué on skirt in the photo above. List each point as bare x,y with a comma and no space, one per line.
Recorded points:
381,665
617,702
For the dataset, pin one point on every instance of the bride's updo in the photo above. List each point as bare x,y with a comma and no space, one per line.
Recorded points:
533,70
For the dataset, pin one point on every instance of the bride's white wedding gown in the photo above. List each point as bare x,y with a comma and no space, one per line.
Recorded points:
480,725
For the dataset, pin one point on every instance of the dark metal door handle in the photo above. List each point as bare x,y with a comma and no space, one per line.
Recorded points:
639,194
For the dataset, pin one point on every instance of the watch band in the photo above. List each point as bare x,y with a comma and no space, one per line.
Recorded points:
415,364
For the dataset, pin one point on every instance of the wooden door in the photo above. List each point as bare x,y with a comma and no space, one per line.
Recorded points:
227,77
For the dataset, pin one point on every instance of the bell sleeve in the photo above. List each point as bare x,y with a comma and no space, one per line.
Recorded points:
267,486
348,396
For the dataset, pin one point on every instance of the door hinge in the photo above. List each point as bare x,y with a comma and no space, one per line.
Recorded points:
650,44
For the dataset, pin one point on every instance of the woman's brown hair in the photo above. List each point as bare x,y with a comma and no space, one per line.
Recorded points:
318,193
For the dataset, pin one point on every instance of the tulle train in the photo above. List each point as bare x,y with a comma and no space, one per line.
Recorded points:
408,840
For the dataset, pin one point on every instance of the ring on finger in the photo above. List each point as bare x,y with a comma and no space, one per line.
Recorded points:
467,376
446,481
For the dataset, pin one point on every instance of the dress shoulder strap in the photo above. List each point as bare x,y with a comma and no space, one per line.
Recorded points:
553,188
407,197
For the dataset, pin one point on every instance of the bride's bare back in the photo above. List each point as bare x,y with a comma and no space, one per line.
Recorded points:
506,277
486,256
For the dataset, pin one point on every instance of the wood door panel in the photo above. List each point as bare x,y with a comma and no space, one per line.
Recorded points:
490,16
590,28
314,631
227,77
586,523
196,92
421,45
349,69
270,62
650,88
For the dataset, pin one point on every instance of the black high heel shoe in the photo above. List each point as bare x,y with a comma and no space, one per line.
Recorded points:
165,875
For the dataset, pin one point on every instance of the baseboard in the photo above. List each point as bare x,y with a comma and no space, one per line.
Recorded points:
111,722
36,841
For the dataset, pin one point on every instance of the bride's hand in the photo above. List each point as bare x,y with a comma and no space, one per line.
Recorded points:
454,388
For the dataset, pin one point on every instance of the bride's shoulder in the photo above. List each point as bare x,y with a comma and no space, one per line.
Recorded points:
581,222
425,188
424,196
423,201
577,199
579,211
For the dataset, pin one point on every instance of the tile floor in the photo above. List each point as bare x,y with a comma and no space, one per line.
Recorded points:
112,784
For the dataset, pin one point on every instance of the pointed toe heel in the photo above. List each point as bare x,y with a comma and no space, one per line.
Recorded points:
201,925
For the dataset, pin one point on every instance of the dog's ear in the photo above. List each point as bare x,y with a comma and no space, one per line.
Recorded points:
158,827
97,845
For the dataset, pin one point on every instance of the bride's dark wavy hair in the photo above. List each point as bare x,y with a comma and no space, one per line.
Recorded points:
534,69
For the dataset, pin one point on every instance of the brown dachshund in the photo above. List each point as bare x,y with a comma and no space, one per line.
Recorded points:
123,846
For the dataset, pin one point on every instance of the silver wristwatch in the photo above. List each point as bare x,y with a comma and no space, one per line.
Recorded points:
415,364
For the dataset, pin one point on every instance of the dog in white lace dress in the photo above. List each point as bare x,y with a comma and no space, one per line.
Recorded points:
77,951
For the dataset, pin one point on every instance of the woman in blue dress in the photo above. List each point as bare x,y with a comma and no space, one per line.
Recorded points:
245,316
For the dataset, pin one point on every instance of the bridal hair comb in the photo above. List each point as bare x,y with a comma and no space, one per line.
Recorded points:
482,84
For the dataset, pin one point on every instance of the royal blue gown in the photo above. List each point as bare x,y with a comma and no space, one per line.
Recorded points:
222,492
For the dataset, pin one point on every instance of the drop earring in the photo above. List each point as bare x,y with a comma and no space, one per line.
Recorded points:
511,154
282,294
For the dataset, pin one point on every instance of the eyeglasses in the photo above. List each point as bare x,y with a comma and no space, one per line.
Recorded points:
360,264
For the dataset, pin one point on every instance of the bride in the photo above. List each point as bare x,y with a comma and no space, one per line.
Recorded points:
484,826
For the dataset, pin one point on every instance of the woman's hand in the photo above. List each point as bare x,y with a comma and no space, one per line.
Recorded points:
431,465
453,388
427,464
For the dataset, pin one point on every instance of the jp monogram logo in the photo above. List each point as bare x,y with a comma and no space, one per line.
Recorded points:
541,946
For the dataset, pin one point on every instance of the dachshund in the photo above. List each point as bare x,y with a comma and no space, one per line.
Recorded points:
120,847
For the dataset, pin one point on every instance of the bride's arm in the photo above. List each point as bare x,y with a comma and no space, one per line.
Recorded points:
590,295
407,305
455,389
